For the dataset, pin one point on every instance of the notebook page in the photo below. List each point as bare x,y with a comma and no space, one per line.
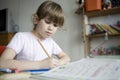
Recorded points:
87,69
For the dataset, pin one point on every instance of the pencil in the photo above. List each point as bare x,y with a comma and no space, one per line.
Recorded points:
44,49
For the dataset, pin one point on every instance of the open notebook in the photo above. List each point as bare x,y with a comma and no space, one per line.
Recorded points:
85,69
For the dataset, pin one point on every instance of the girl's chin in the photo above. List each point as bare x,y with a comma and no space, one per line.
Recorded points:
46,36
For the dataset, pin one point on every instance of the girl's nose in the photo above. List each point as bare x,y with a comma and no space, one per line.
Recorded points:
51,27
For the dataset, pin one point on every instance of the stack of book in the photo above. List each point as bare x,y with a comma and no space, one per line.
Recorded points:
104,28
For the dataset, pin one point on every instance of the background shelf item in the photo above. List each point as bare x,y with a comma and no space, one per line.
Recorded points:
103,12
5,38
92,14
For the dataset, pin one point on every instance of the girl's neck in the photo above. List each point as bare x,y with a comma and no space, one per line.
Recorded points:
36,34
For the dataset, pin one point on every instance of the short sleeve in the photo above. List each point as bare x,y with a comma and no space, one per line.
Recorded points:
17,42
56,48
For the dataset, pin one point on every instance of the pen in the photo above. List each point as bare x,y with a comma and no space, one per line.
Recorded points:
6,70
35,71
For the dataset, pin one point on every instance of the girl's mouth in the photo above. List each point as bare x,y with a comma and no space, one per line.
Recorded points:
49,33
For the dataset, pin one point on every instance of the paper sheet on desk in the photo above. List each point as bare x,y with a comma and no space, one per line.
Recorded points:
86,69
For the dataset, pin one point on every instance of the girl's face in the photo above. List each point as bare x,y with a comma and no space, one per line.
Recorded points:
45,28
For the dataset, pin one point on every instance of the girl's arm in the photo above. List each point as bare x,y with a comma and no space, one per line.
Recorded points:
7,61
63,58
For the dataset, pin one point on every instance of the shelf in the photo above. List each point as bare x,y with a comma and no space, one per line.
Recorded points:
107,56
5,38
101,13
101,35
87,38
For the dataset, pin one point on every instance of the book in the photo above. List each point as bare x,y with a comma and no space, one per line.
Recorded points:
84,69
117,28
110,29
97,25
109,32
96,29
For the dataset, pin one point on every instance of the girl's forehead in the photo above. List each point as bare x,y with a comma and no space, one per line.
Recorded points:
49,18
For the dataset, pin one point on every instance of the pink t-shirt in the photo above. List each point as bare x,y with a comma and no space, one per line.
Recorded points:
27,47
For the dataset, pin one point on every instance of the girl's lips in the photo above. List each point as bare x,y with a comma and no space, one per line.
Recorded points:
48,33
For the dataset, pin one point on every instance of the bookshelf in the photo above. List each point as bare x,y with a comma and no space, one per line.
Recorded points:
101,35
103,12
5,38
92,14
100,13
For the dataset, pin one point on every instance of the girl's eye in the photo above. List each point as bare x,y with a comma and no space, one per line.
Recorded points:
55,25
48,22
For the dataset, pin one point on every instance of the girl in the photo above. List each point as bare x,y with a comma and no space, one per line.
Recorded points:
33,50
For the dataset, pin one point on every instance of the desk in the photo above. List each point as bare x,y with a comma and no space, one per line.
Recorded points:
26,78
22,76
84,69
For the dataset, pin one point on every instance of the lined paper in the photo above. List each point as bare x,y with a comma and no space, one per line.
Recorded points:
86,69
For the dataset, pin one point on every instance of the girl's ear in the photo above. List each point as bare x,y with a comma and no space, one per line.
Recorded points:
35,19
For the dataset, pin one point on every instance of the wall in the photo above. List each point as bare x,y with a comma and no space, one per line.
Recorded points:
70,38
13,12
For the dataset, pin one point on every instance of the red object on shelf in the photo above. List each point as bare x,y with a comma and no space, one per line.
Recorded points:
92,5
2,48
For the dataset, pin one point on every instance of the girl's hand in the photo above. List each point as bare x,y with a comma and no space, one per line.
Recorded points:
49,63
54,63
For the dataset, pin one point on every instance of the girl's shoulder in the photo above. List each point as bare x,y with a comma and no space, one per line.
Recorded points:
23,34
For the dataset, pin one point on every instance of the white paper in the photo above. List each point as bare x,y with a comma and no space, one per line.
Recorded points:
86,69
